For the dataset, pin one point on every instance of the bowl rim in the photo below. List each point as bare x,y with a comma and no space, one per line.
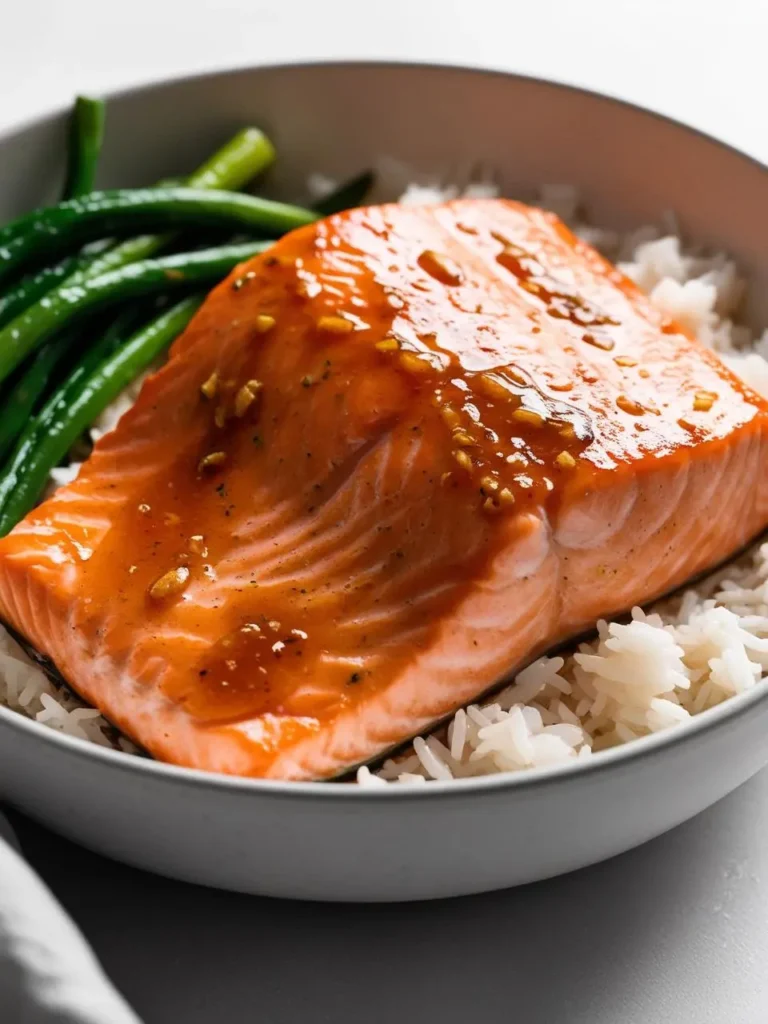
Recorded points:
730,710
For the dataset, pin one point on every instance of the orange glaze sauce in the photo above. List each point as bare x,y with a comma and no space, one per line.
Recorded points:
494,357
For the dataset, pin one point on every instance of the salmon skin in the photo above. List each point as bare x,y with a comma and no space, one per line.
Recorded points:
388,462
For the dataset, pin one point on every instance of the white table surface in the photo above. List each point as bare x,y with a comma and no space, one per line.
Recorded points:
675,931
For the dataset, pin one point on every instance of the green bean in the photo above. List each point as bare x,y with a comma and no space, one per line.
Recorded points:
245,155
121,210
99,379
351,193
130,358
230,168
238,161
32,288
69,302
86,134
22,393
26,389
234,165
120,327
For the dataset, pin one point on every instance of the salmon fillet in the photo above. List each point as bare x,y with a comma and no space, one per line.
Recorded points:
389,462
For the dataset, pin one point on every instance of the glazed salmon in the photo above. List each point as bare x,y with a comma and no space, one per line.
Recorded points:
389,462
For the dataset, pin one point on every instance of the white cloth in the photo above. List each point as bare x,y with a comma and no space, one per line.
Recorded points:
48,972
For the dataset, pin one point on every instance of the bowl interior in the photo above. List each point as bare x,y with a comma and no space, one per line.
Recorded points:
630,165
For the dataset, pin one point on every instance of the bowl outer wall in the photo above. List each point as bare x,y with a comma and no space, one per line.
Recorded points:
372,846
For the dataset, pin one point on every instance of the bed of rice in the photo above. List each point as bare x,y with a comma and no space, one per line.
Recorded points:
636,677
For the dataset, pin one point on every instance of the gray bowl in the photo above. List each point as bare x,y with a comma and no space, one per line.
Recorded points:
332,842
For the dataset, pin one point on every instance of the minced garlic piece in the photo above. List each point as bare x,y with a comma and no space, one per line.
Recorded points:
246,396
335,324
212,461
211,386
170,584
263,323
529,416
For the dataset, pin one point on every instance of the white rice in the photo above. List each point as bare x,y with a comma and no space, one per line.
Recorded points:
635,678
